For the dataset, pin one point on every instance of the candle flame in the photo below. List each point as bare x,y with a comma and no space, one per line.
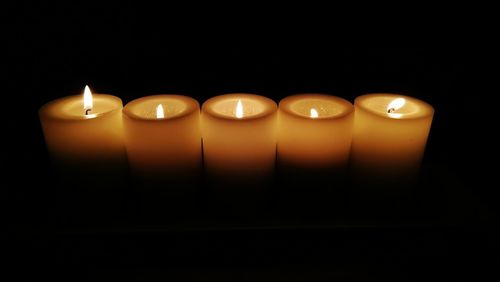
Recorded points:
314,113
159,111
87,100
239,109
395,105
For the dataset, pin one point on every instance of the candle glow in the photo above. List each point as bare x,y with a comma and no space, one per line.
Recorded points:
163,143
395,105
74,137
160,113
238,133
314,113
239,109
308,141
87,100
389,138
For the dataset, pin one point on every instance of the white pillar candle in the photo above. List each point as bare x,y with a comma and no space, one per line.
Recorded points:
389,136
162,136
84,130
314,131
239,136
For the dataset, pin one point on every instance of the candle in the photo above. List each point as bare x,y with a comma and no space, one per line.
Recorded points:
85,131
314,131
162,137
84,137
389,137
239,136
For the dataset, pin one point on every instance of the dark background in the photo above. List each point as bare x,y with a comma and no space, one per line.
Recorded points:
131,51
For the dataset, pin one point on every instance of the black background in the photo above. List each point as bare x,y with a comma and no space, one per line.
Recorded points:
131,51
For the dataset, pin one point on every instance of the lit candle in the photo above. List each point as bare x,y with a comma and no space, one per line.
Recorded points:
162,136
239,136
389,137
85,131
314,131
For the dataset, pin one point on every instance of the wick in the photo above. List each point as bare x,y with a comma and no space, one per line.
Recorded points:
391,110
87,111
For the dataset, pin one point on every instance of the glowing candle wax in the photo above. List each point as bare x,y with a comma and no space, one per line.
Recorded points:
239,135
389,136
84,130
314,131
162,136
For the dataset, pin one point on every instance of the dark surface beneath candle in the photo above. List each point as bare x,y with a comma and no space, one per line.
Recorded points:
446,225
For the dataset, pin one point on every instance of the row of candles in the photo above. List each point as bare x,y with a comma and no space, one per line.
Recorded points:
239,134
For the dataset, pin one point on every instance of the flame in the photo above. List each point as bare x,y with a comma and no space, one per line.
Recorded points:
87,100
395,105
159,111
239,109
314,113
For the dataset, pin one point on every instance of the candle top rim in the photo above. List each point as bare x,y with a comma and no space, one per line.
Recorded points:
424,108
54,108
191,105
286,105
269,106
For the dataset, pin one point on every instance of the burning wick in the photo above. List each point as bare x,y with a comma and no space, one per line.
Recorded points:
87,100
395,105
239,109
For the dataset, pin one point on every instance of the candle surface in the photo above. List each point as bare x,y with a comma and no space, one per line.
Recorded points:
74,137
389,137
162,136
314,131
84,137
239,135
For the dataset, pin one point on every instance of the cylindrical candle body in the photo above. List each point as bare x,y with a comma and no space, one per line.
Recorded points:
233,146
320,141
389,141
167,147
88,153
91,141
